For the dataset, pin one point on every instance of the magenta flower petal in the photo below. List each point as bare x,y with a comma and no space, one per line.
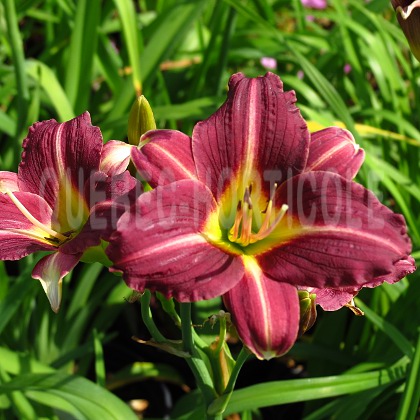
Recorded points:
57,156
400,269
115,157
50,270
110,198
334,149
165,157
333,299
339,235
172,256
258,130
19,236
8,182
265,313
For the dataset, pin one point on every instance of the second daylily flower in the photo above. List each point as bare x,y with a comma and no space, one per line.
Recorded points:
60,200
254,208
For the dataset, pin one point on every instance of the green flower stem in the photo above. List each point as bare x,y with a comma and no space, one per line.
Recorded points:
219,405
242,358
146,314
196,364
186,328
169,307
199,341
222,334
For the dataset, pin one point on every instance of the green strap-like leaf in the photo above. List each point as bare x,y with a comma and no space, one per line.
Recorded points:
410,400
51,86
296,390
93,401
82,53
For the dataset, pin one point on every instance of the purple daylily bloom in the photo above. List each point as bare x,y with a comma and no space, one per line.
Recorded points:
254,208
59,200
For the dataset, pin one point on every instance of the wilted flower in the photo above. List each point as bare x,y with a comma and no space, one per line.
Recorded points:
408,14
254,208
59,200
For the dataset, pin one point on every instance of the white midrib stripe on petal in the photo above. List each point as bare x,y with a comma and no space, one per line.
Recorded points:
59,154
190,240
325,157
179,164
252,267
38,236
250,140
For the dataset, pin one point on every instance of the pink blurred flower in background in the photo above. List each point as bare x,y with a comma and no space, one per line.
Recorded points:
315,4
269,63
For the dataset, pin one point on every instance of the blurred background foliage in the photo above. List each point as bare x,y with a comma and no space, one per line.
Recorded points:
349,65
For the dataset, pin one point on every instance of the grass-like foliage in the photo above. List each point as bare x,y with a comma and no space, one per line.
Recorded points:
349,65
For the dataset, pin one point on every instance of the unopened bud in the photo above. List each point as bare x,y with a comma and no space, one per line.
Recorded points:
408,14
307,311
140,121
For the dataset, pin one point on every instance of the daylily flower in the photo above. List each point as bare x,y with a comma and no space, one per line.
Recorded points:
59,201
254,208
408,14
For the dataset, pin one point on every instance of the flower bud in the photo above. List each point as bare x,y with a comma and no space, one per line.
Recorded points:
141,119
307,311
408,14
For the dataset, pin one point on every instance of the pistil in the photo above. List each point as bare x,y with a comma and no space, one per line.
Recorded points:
33,220
233,234
246,231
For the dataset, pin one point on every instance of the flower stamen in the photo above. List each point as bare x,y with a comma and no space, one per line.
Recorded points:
33,220
269,209
241,231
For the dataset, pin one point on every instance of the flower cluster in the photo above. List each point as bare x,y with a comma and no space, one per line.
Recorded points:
252,208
